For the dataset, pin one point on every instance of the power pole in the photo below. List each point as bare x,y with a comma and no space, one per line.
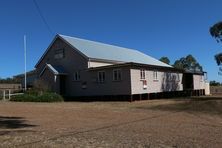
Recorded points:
25,61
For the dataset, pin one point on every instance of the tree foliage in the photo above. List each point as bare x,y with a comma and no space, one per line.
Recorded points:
165,60
218,58
215,83
216,32
188,63
9,80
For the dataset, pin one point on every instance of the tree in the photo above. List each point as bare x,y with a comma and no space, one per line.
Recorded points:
179,64
215,83
165,60
188,63
218,58
9,80
216,32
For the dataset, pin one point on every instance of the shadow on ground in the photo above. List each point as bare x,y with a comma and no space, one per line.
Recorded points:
13,123
206,106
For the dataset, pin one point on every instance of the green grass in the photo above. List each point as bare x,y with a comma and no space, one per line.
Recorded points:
36,97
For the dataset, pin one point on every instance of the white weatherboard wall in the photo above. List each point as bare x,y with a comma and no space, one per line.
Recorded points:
198,82
207,88
98,64
153,86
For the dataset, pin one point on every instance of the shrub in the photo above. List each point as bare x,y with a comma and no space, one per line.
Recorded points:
50,97
34,96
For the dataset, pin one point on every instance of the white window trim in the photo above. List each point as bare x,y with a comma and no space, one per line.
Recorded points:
103,80
119,71
142,74
155,75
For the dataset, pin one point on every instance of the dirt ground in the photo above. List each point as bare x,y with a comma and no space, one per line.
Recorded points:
152,123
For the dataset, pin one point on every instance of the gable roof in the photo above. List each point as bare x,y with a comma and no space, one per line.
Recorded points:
101,51
56,70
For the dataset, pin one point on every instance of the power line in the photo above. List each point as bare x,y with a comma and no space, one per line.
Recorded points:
42,17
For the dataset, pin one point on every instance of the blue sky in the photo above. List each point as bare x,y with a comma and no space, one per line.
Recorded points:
172,28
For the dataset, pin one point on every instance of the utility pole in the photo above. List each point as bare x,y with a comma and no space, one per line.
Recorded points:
25,61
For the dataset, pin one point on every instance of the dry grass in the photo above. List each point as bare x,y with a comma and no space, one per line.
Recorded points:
153,123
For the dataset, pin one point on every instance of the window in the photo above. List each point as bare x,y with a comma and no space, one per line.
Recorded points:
59,54
101,76
142,74
117,76
155,75
77,76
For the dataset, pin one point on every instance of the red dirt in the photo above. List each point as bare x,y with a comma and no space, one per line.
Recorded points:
157,123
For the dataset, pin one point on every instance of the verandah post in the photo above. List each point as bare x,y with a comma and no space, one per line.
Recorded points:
4,95
9,94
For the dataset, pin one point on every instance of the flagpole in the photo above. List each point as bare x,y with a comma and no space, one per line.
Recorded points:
25,61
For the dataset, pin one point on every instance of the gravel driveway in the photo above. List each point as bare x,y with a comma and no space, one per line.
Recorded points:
153,123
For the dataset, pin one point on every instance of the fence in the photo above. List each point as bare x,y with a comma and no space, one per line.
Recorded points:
6,94
10,86
8,90
216,90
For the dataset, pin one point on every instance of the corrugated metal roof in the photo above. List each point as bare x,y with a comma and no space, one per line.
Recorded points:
103,51
57,70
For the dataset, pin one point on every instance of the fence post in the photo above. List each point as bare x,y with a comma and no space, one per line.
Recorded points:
3,95
9,94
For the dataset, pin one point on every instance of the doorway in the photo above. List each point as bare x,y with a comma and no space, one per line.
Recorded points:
188,81
62,84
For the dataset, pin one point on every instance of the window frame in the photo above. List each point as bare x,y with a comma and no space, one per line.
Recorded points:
142,74
76,76
118,74
155,75
103,76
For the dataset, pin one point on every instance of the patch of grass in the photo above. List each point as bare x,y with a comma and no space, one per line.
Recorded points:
36,97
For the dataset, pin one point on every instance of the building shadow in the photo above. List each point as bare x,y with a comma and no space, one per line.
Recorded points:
13,123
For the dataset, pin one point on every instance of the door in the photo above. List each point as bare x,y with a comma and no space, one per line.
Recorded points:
187,81
62,85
